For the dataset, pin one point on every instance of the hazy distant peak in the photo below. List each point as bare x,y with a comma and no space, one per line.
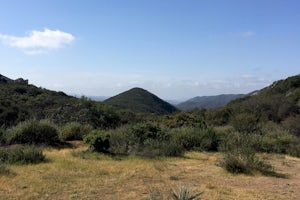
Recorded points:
204,102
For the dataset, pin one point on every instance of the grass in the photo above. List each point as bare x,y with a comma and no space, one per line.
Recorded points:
71,175
4,170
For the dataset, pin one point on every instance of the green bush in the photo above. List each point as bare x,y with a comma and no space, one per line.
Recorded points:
141,132
119,140
235,164
292,125
153,148
2,136
142,139
4,170
74,131
240,156
22,155
184,119
32,132
196,139
280,142
245,123
150,140
98,140
218,117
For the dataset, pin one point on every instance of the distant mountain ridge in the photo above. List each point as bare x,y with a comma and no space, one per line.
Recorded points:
205,102
140,101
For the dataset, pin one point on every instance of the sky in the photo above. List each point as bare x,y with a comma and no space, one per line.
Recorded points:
176,49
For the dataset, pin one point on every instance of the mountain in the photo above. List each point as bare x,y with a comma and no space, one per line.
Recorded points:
208,101
98,98
140,101
277,102
4,79
20,101
173,102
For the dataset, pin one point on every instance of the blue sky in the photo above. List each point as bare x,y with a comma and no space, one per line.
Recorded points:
175,49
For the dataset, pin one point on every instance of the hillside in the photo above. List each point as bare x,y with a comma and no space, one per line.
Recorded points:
208,101
140,101
277,102
21,101
4,79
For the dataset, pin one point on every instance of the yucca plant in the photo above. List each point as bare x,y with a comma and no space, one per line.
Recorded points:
183,193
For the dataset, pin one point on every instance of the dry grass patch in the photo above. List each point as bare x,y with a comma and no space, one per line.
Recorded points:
65,176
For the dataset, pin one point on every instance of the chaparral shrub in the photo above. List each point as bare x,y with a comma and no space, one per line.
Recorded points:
32,132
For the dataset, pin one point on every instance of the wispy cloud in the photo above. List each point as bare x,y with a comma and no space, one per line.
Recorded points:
245,34
38,42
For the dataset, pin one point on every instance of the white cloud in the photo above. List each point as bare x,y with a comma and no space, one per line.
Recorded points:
248,76
38,42
95,83
245,34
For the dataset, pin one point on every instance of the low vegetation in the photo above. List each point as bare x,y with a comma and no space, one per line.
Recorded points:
4,170
32,132
21,101
70,174
22,155
183,193
74,131
236,135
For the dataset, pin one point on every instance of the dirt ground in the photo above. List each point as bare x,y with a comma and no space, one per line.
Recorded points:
69,175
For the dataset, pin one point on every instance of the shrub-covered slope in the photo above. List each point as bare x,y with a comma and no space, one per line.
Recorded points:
208,101
140,101
20,101
279,102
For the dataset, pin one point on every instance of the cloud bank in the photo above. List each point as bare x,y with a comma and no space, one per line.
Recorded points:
37,42
171,88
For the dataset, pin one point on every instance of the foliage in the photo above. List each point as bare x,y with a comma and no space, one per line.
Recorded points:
218,117
183,119
240,156
183,193
245,123
280,142
98,140
32,132
196,139
153,148
144,139
4,170
142,132
150,140
85,111
119,140
21,101
74,131
1,136
275,103
22,155
292,125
